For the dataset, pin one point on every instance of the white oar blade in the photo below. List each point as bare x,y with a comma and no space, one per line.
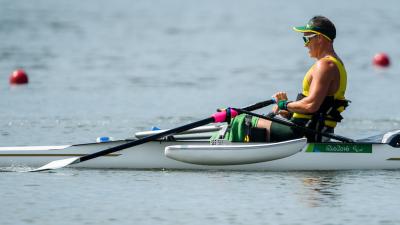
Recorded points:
56,164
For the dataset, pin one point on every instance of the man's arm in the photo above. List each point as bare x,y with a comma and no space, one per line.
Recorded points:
322,77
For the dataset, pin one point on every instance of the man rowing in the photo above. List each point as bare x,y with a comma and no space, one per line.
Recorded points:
321,101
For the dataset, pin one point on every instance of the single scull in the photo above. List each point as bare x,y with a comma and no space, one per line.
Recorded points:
193,150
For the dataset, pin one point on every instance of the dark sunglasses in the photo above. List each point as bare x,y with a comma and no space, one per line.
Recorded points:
307,38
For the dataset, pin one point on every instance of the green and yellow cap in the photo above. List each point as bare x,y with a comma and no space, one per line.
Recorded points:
319,25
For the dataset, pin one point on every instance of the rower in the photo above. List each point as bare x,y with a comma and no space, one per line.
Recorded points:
321,101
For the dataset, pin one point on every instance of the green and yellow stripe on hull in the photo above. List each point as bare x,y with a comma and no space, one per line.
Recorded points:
339,148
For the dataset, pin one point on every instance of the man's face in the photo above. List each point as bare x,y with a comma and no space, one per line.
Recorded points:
310,42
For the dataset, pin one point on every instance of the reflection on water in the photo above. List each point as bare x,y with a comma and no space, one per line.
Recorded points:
203,197
321,189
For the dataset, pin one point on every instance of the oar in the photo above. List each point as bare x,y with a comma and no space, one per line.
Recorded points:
215,118
291,124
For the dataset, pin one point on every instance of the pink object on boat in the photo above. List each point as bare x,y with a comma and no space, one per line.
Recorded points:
220,117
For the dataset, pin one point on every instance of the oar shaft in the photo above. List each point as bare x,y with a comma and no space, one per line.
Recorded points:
259,105
147,139
167,133
291,124
216,117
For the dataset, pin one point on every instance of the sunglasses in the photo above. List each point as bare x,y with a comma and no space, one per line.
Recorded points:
307,38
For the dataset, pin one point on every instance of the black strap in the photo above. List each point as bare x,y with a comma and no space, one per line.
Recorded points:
327,111
247,123
228,115
329,108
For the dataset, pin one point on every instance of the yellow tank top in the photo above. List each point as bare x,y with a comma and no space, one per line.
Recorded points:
339,94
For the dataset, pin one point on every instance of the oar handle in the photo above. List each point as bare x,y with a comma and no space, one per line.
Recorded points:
291,124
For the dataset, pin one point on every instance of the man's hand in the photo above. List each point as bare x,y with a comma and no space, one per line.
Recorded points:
280,96
283,113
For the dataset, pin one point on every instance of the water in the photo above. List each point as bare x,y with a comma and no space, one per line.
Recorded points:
187,197
102,68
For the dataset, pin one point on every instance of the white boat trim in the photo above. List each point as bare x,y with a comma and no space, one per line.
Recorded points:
197,130
35,148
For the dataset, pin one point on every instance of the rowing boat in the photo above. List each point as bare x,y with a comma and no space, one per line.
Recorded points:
193,150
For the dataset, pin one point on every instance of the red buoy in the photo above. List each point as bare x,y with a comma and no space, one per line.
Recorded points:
381,60
19,77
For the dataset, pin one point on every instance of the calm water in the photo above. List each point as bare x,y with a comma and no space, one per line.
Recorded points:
176,197
116,67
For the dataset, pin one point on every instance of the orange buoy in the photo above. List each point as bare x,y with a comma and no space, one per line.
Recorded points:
19,77
381,60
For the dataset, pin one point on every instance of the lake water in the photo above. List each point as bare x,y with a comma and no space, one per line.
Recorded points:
111,68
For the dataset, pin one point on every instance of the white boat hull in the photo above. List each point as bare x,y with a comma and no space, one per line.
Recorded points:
194,152
151,156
